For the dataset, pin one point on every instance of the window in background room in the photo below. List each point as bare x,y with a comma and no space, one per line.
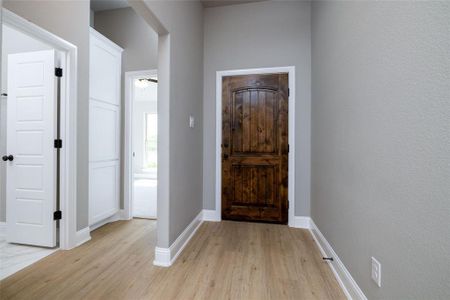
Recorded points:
150,143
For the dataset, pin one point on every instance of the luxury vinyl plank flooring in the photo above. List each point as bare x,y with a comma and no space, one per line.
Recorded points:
225,260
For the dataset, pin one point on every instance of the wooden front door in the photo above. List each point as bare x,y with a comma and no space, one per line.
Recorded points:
255,148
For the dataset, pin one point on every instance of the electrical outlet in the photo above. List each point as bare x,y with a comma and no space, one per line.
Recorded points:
191,122
376,271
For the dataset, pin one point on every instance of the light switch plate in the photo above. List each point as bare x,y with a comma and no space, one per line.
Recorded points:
376,271
191,122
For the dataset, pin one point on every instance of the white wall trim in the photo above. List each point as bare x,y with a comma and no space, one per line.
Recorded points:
343,276
165,257
83,236
120,215
99,224
68,223
291,189
162,257
210,215
301,222
128,171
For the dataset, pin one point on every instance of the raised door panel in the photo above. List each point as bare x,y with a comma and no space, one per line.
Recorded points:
253,119
104,191
104,71
104,135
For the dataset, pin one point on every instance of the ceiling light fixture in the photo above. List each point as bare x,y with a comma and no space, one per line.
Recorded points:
144,82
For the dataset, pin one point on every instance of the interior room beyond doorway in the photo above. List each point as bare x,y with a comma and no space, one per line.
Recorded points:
145,157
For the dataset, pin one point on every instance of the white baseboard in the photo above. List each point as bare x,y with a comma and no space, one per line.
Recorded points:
298,222
165,257
123,215
120,215
211,215
162,257
343,276
301,222
83,235
2,229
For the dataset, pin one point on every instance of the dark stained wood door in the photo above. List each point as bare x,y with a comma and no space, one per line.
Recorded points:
255,148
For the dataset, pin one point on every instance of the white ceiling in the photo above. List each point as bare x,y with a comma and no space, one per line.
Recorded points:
215,3
99,5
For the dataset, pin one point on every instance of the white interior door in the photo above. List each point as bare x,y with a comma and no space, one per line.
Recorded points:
104,128
30,170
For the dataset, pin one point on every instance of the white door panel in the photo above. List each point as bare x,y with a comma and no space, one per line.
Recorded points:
104,62
104,190
30,133
104,131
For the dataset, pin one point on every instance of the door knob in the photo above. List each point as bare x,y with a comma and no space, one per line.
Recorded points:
9,157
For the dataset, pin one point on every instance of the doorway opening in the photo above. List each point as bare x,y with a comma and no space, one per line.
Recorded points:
135,122
37,113
142,97
144,133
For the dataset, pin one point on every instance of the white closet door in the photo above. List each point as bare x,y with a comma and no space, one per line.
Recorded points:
30,169
104,128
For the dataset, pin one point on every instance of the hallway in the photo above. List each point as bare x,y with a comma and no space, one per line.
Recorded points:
223,260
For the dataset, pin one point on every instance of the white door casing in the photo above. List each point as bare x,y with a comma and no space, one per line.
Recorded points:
30,134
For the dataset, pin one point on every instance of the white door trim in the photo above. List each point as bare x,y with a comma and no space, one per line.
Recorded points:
128,135
291,136
68,178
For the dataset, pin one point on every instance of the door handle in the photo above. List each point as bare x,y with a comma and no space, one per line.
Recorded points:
9,157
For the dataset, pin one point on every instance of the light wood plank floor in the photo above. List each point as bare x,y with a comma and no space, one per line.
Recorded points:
226,260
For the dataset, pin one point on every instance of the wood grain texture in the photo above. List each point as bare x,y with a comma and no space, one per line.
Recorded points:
224,260
255,148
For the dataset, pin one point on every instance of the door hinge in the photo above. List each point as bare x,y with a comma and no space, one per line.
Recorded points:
58,143
288,148
57,215
288,204
58,72
289,92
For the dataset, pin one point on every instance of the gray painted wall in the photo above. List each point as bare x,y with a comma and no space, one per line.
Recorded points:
180,88
140,43
265,34
13,41
70,21
381,140
128,30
